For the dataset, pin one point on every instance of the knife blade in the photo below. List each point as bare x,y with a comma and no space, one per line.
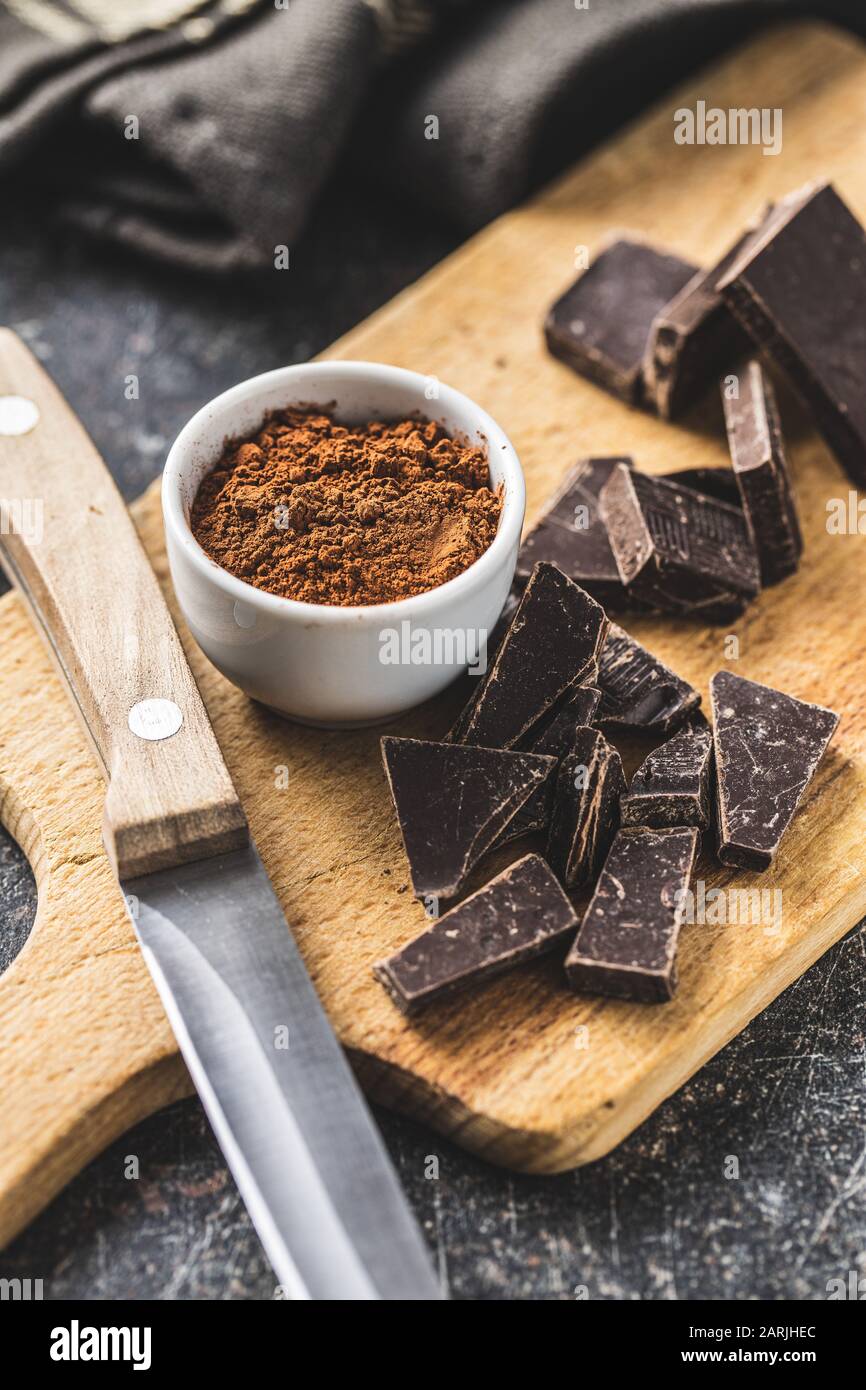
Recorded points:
295,1131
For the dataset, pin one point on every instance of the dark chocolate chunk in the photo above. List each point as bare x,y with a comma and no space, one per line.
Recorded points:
516,916
557,734
531,818
555,740
712,482
692,339
638,692
494,642
627,942
601,325
768,746
474,682
799,288
585,813
506,617
461,723
551,646
452,802
677,550
761,472
672,785
571,534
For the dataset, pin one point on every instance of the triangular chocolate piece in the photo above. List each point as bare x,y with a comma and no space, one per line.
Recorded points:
585,809
672,785
517,916
556,740
580,707
452,802
638,691
552,645
768,746
571,534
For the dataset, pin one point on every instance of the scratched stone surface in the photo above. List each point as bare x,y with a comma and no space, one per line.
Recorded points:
663,1217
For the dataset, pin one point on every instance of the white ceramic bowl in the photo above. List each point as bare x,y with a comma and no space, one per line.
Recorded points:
315,663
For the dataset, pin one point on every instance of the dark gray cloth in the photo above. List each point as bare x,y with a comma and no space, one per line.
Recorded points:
245,108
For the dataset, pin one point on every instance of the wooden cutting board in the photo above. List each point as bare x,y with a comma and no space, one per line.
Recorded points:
522,1072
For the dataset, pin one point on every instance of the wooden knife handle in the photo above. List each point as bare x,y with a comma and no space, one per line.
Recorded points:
68,542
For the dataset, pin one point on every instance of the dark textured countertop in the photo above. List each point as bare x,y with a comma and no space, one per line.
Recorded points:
656,1219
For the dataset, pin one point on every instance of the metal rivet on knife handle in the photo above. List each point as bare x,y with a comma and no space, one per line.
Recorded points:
18,415
155,720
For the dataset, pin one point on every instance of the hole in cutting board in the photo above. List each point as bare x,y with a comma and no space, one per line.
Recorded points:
18,895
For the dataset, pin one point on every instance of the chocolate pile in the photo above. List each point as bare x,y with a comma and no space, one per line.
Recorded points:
530,753
656,331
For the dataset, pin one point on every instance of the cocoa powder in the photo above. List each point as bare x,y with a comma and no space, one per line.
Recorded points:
346,515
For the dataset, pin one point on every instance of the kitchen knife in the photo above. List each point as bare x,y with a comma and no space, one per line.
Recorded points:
291,1122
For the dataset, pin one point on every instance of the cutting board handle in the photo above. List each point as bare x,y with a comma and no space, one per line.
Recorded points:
67,541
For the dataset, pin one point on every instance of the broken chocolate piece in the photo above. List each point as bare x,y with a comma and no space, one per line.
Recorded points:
461,723
585,813
505,619
799,288
600,326
677,550
712,482
494,642
627,942
638,692
517,916
475,681
571,534
692,339
555,741
557,735
452,802
551,646
768,746
672,786
761,472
